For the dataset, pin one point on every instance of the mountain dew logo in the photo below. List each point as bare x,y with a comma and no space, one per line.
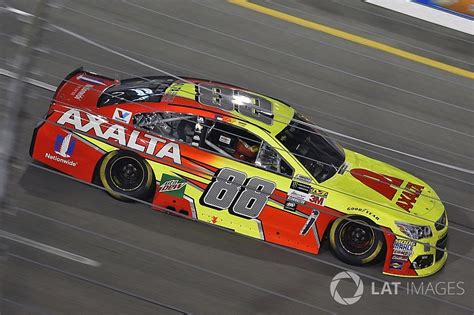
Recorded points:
172,185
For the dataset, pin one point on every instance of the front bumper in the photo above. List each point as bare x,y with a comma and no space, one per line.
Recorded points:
406,258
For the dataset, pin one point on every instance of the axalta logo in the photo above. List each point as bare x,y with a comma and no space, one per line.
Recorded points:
134,140
409,196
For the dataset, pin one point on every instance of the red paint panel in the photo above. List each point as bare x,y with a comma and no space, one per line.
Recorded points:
281,227
71,156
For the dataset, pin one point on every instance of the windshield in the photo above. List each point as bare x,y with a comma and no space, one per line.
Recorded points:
321,156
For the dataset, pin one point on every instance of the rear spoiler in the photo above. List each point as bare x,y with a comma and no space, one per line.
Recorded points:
76,72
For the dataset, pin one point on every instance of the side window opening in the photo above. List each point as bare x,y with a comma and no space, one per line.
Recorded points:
240,144
268,158
232,142
171,125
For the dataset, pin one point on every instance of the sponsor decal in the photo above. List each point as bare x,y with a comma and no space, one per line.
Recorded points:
366,211
172,185
290,205
90,80
101,128
299,192
224,139
399,258
83,91
409,196
318,196
383,184
300,187
214,219
317,200
64,145
403,247
395,264
122,115
59,159
303,178
319,192
76,89
297,196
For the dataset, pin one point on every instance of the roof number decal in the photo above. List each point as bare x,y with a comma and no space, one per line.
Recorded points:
228,99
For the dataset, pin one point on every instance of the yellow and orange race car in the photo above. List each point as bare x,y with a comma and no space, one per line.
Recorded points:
246,162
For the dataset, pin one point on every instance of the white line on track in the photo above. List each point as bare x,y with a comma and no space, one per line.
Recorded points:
34,82
93,43
16,11
48,249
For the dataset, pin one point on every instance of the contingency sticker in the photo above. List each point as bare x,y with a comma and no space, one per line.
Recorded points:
403,247
172,185
299,192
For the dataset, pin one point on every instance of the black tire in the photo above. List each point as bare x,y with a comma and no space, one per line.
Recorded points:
355,240
125,174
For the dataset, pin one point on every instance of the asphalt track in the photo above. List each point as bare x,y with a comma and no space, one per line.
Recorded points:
152,263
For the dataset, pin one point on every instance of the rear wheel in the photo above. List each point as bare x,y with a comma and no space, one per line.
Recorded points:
126,175
356,240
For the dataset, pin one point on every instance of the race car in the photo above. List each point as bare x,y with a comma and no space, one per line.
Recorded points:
246,162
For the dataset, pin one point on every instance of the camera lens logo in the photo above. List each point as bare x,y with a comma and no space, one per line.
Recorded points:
348,300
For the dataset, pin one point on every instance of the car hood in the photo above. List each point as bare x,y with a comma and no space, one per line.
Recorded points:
380,185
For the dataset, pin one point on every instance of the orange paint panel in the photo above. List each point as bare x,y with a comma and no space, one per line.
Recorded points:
283,228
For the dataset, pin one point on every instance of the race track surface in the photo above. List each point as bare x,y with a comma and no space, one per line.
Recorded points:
146,262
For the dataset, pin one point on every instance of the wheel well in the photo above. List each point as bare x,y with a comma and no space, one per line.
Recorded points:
96,176
353,217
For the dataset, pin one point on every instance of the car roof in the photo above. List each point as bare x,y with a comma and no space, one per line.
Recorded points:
185,93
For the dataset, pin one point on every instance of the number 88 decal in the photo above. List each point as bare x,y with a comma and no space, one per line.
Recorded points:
225,193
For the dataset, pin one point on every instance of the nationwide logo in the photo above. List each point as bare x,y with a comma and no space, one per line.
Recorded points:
122,115
172,185
64,145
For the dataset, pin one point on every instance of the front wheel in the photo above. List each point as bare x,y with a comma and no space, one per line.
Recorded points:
126,176
356,240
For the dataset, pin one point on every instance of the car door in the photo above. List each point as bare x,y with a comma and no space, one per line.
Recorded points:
253,187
